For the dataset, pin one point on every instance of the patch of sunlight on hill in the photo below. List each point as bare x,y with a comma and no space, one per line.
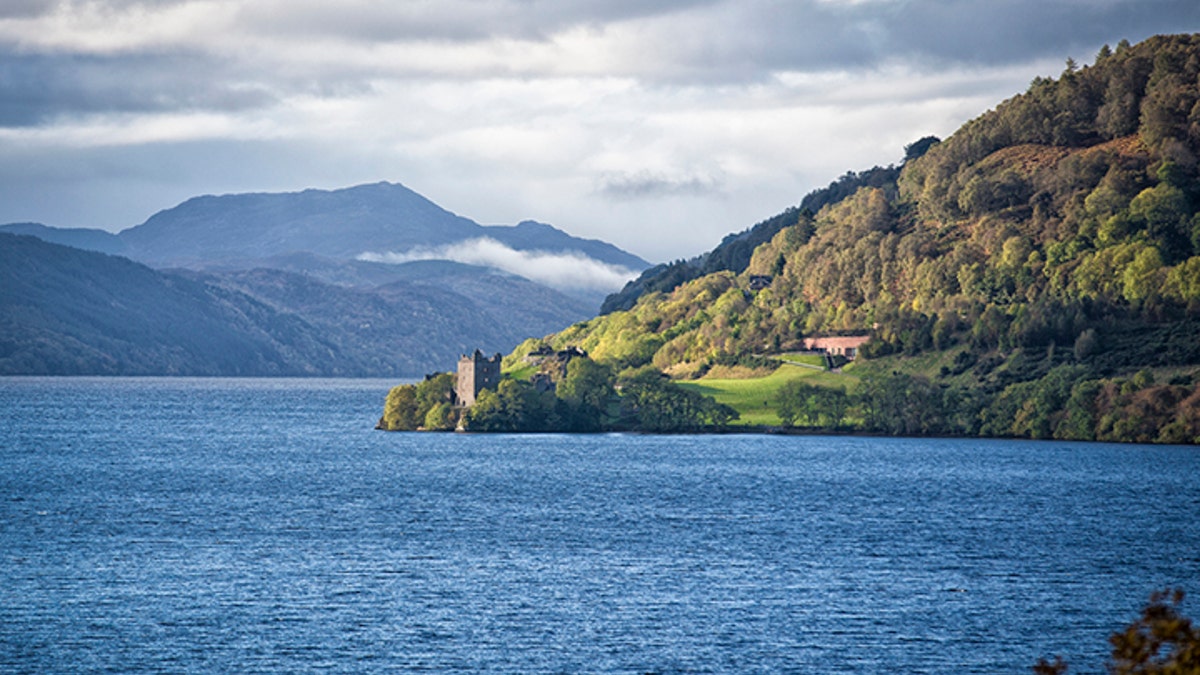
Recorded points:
754,399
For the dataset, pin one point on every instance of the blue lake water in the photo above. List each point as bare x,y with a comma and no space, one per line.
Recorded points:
201,526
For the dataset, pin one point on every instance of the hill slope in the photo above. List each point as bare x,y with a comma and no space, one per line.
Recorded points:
277,286
84,238
734,252
66,311
1053,243
333,234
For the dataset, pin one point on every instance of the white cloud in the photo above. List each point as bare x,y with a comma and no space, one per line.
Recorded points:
139,129
104,28
564,271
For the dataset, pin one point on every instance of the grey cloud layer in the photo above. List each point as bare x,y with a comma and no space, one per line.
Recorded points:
453,20
644,184
683,41
759,37
36,88
659,126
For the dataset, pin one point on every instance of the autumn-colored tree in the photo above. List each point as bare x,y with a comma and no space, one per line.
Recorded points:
1162,641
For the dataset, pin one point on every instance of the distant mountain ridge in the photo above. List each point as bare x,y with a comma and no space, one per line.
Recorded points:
77,237
241,229
281,284
67,311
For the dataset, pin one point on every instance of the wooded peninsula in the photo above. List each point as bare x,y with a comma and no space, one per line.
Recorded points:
1034,275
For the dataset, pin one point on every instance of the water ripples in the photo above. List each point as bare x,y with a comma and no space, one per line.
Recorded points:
262,526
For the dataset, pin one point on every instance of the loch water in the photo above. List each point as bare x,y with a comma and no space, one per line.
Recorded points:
263,526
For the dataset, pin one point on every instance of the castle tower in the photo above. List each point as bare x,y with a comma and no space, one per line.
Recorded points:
476,373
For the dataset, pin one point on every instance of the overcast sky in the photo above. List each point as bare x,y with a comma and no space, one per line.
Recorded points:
658,126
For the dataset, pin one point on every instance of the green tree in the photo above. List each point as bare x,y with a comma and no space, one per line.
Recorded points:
918,148
800,401
401,411
408,405
834,406
435,390
1032,409
587,383
990,328
585,392
514,407
902,404
489,414
1183,280
1165,213
1078,421
441,417
797,401
1142,276
662,406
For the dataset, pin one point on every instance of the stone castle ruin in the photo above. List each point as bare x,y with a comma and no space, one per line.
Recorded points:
552,365
476,373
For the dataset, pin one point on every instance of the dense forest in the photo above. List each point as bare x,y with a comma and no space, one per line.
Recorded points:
735,250
1046,256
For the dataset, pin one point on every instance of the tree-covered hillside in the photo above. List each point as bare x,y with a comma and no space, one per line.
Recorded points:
1039,257
66,311
735,250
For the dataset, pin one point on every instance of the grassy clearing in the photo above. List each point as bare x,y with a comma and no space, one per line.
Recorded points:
928,365
803,359
754,399
523,371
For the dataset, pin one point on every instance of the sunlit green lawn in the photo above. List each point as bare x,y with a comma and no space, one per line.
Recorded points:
754,399
523,372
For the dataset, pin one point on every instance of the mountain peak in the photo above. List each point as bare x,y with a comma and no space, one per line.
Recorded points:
533,226
338,223
249,229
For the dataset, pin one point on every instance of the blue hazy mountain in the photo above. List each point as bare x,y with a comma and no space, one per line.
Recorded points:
323,233
338,224
85,238
67,311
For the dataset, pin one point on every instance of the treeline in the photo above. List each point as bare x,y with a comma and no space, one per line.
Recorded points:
1070,403
588,397
1148,90
734,252
1067,403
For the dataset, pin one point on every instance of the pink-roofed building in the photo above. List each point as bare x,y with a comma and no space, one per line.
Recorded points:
846,346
